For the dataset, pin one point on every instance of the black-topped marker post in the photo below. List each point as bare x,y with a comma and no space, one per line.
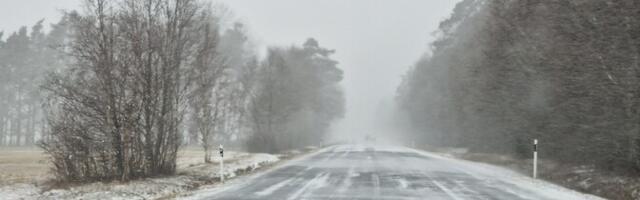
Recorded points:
535,158
221,163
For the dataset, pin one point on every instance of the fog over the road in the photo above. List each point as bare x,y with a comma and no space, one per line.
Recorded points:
376,41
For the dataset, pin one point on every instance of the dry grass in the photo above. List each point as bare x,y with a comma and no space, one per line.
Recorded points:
193,173
29,164
22,165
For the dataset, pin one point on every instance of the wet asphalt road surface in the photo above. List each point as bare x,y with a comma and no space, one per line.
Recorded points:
362,172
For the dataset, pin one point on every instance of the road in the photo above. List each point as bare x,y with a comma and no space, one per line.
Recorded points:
371,172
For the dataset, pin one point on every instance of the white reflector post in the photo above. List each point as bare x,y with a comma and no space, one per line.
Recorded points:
535,158
221,164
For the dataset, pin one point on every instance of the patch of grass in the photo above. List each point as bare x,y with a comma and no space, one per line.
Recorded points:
31,165
22,165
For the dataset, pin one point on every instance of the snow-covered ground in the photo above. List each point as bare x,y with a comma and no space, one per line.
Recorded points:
192,173
507,175
239,183
586,178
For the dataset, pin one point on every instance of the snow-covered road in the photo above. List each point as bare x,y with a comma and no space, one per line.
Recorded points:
376,172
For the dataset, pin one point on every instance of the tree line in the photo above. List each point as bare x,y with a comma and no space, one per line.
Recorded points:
503,73
123,85
25,57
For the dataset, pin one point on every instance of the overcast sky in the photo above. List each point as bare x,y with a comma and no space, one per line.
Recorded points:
376,40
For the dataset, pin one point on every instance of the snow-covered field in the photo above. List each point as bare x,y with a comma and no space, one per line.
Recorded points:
192,173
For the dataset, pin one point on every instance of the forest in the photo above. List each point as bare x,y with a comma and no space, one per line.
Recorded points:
503,73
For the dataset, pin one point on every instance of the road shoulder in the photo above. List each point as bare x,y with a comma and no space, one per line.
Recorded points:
290,158
512,171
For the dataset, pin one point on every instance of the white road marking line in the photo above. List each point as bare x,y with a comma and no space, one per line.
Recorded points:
446,190
469,191
402,183
317,181
269,190
345,154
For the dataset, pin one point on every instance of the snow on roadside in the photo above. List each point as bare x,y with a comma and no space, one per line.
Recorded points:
18,191
551,190
293,157
244,163
190,176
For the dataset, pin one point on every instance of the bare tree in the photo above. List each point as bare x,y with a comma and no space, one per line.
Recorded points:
117,112
208,67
